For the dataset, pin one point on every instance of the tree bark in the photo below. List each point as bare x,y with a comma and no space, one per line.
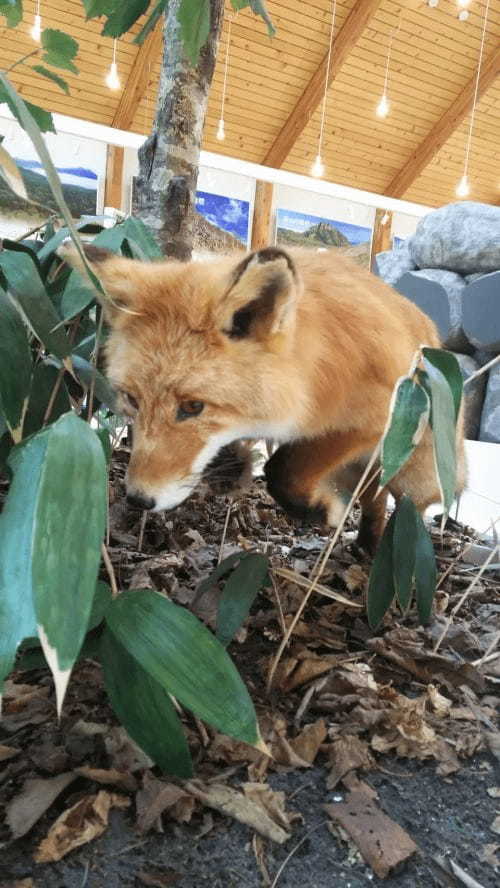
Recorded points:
169,159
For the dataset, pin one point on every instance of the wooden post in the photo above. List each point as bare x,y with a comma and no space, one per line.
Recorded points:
261,224
382,235
114,177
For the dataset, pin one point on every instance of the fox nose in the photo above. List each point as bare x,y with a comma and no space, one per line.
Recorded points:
140,500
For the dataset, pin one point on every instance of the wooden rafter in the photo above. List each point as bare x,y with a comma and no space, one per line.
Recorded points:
137,81
444,128
350,32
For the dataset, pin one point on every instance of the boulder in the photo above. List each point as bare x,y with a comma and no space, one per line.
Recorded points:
392,264
481,312
473,396
439,294
469,278
462,237
490,418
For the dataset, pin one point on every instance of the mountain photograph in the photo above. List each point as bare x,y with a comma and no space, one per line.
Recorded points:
302,230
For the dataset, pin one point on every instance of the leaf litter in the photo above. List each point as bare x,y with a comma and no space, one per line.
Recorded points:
342,699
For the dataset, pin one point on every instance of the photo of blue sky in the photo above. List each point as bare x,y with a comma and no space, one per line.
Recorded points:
300,222
228,213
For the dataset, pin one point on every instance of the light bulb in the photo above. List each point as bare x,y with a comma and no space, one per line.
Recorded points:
385,218
221,133
37,28
463,2
432,3
463,188
463,15
318,167
383,107
112,79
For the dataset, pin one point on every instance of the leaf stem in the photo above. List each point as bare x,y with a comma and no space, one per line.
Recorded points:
21,61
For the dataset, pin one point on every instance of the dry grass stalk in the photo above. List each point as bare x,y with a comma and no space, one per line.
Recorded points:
464,597
144,518
111,571
224,533
306,583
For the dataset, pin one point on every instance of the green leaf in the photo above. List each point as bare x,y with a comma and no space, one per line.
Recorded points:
52,528
88,374
41,69
60,49
138,233
259,8
220,571
96,8
101,601
404,550
77,295
450,368
123,16
238,595
408,417
26,285
15,366
43,382
194,19
425,572
185,658
381,589
38,116
443,431
13,12
11,174
144,708
105,439
151,22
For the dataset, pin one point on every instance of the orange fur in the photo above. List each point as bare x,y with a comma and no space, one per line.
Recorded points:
321,345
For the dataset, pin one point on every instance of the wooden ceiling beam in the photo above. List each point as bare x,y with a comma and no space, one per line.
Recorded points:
350,32
444,128
136,85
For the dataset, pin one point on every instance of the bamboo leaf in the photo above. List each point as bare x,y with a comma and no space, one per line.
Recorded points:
151,22
88,375
443,431
50,75
238,595
26,285
77,295
185,658
144,708
259,8
13,12
11,174
43,119
220,571
194,19
15,366
50,548
60,49
139,233
425,572
44,380
123,16
408,417
450,368
381,588
404,550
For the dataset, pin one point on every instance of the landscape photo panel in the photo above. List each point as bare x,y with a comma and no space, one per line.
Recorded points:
317,232
222,223
17,216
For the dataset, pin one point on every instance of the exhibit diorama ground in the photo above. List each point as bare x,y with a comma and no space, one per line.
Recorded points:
385,752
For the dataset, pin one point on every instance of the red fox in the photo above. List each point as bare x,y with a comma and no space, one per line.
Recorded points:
302,347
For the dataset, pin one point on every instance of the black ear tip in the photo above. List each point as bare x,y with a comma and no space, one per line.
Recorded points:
272,254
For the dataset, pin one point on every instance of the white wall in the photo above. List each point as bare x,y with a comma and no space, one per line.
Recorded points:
289,198
404,226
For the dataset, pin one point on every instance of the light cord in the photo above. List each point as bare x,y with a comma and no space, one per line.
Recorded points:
476,90
327,78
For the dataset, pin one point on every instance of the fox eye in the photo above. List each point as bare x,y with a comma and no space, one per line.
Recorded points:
130,404
187,409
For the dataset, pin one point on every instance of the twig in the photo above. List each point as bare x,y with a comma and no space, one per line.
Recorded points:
53,396
278,602
295,849
487,654
94,366
482,370
21,60
33,230
463,597
111,571
461,554
140,541
224,532
326,554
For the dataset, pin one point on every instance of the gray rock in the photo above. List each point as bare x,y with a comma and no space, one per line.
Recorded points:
490,418
439,294
481,312
470,278
473,396
462,237
392,264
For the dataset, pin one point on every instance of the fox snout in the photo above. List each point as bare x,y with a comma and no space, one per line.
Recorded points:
140,500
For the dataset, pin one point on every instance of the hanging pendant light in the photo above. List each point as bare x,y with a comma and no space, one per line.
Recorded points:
384,105
36,30
463,187
221,130
318,167
112,78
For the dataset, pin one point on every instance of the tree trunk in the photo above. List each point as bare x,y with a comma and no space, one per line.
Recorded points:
169,159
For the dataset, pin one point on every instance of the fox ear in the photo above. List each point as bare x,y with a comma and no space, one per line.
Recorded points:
261,297
116,274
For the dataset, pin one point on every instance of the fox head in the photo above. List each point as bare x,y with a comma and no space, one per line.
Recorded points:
198,354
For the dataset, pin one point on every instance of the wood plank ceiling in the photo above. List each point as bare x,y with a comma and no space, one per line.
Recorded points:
272,112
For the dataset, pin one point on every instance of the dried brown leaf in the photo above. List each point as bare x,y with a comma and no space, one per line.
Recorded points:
18,883
35,798
234,804
489,855
8,752
270,800
307,744
156,878
108,777
83,822
346,754
495,826
156,797
383,844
